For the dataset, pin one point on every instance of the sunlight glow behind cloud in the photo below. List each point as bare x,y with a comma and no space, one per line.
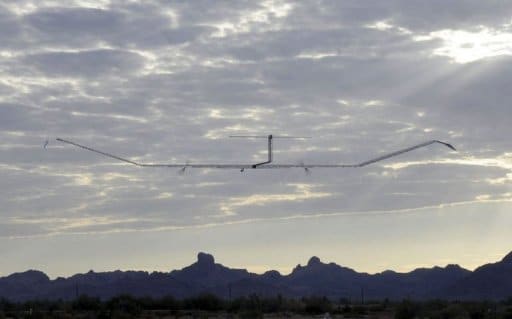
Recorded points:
468,46
168,81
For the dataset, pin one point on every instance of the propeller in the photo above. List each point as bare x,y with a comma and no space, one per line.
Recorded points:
184,168
307,170
46,143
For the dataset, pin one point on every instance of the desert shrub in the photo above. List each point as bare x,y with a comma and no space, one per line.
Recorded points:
124,305
207,302
164,303
317,305
507,313
248,305
346,309
406,310
375,307
235,305
454,311
86,303
6,305
250,314
476,311
272,305
435,305
253,304
359,311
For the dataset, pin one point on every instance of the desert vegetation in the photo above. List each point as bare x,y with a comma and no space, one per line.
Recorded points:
253,306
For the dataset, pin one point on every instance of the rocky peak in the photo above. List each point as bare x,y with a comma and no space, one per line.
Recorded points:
204,259
314,261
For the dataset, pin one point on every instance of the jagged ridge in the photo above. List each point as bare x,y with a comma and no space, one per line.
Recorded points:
315,278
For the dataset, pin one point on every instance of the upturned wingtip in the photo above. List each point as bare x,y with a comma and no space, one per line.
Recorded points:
451,146
447,145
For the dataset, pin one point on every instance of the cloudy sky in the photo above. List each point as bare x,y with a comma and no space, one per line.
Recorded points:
169,81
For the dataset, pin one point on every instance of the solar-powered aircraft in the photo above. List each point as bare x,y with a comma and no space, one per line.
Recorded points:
268,164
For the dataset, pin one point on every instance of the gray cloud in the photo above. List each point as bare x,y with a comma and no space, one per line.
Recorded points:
91,63
83,27
416,15
10,27
169,81
74,24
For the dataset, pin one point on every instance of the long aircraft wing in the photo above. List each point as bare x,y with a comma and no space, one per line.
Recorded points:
266,166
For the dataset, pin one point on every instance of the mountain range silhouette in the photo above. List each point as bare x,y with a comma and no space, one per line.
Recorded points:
490,281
